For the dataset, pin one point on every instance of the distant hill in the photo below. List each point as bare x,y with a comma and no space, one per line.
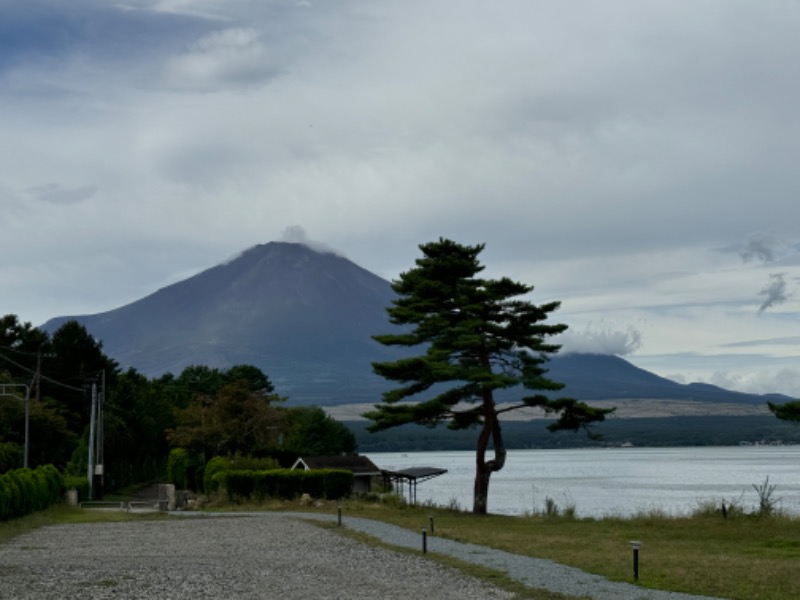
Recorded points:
306,319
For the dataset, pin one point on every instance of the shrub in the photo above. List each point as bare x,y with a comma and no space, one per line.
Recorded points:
23,491
214,466
178,465
81,484
218,464
287,483
767,504
338,483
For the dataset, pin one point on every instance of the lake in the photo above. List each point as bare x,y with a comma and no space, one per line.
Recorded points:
611,481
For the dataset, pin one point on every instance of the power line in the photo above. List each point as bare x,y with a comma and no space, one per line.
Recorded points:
44,377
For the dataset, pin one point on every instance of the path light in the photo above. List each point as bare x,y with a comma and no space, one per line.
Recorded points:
430,522
424,541
339,514
635,544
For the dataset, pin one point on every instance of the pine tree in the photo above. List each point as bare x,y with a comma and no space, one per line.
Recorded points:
475,336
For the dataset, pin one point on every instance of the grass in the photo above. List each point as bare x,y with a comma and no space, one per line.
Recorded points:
744,556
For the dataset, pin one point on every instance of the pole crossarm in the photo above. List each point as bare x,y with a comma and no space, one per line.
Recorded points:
4,391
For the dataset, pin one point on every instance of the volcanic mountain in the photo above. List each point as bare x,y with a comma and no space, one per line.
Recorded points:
306,318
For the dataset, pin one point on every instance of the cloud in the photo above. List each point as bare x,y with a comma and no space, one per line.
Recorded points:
765,381
775,292
589,148
231,58
56,194
791,340
759,246
600,341
295,234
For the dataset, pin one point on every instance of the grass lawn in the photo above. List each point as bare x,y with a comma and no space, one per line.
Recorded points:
744,556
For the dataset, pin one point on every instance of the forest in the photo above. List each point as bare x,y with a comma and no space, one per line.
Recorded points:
64,391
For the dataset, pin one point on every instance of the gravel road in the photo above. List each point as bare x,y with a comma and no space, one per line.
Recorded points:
265,555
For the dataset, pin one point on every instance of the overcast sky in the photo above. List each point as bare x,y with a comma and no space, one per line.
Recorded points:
637,160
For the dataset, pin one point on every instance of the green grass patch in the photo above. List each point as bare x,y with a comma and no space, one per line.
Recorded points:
743,556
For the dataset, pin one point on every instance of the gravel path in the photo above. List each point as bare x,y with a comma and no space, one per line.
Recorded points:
266,555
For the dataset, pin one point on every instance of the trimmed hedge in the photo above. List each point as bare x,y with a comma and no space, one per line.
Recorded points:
287,483
23,491
218,464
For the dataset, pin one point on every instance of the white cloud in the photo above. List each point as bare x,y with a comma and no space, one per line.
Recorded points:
295,234
603,340
766,381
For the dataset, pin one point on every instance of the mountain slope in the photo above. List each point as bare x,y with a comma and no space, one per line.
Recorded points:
306,319
603,377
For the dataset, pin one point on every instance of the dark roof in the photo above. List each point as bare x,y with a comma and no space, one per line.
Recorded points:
415,473
359,465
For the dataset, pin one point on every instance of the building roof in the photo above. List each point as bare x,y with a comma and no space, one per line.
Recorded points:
416,474
359,465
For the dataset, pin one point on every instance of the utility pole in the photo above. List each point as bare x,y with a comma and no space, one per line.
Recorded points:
100,458
90,468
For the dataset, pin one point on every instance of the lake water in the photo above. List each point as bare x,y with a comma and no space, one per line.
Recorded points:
613,481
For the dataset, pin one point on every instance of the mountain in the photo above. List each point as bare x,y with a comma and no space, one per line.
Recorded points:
608,377
306,319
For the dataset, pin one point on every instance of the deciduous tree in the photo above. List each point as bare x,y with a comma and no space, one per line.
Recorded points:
310,431
475,337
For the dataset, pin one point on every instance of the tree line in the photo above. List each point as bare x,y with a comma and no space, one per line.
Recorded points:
206,410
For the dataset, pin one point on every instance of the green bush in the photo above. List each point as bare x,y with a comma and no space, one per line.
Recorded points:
81,484
214,466
178,465
219,464
287,483
23,491
338,483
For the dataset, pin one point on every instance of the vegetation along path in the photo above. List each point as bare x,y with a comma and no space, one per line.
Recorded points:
533,572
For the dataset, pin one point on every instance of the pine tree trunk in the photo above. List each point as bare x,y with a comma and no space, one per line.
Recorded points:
484,468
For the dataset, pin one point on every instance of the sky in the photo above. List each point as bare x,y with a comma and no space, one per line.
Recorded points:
635,159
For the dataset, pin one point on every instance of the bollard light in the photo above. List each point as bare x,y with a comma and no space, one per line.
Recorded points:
635,545
339,515
430,523
424,541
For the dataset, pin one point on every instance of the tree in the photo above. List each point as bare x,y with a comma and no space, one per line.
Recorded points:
478,336
311,431
79,362
788,411
235,419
